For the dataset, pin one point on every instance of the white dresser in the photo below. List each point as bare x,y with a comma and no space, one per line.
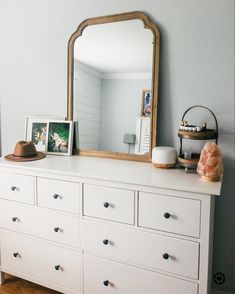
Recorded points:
96,226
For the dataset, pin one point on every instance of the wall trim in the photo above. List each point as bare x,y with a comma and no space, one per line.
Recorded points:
127,76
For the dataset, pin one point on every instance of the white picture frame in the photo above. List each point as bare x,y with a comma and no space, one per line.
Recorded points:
59,137
34,132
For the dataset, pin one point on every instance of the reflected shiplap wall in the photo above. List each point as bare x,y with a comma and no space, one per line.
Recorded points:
87,105
197,67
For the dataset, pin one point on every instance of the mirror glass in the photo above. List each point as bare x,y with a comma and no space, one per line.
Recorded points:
112,76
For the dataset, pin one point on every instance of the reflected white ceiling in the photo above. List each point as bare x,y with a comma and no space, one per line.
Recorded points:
121,47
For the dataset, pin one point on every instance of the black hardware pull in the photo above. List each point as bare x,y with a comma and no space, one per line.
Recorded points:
55,196
13,188
106,241
14,219
106,283
15,254
167,215
57,267
106,204
56,229
166,256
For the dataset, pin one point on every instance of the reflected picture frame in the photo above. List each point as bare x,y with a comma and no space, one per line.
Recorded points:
36,130
146,105
59,139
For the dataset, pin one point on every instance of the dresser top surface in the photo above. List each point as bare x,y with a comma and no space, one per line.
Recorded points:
137,173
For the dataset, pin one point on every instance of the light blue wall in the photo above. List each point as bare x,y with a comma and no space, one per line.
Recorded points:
121,104
196,67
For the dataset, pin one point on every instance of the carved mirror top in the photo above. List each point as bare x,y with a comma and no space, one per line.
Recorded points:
113,66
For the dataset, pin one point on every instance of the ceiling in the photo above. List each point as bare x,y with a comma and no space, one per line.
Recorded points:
120,47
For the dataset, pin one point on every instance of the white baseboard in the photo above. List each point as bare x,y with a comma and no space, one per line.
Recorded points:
215,291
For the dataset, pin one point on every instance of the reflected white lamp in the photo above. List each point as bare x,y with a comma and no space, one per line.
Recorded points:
129,139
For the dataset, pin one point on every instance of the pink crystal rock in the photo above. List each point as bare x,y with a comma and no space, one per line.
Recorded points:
210,166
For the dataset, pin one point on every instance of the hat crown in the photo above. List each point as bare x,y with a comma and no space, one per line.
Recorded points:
25,149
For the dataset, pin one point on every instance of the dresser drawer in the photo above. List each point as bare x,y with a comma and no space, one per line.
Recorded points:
60,195
171,214
103,276
43,261
17,187
109,203
40,222
142,248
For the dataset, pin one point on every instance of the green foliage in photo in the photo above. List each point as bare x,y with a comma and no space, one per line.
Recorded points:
58,136
37,129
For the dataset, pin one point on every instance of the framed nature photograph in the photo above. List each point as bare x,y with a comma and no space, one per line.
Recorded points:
146,103
36,130
59,137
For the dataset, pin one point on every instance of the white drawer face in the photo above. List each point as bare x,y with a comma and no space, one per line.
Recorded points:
141,248
109,203
41,260
38,222
103,276
60,195
170,214
17,187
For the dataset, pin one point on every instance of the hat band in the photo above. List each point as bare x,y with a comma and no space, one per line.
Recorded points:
28,155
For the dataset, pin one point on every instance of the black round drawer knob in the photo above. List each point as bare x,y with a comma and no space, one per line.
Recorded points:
56,229
106,204
167,215
106,241
106,283
57,267
15,254
55,196
13,188
166,256
14,219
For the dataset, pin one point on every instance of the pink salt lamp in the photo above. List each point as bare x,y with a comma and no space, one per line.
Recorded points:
210,166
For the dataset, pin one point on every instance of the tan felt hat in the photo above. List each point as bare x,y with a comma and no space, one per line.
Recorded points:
25,151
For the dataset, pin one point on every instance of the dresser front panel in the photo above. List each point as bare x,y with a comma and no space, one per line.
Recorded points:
59,195
103,276
17,187
68,225
40,259
142,248
170,214
109,203
40,222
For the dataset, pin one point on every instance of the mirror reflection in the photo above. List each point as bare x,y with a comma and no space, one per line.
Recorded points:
112,87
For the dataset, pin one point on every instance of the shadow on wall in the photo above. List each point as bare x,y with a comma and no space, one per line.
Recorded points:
164,95
0,132
224,235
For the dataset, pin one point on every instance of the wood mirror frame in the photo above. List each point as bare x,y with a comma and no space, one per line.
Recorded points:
148,24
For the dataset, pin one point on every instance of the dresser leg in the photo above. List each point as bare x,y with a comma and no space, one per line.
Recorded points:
1,278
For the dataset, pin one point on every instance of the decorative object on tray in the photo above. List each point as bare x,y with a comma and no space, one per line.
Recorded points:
164,157
25,151
187,159
36,130
210,166
59,137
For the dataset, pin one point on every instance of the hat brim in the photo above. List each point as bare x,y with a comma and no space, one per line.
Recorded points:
12,157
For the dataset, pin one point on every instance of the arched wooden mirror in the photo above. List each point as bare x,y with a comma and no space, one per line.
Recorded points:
113,64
